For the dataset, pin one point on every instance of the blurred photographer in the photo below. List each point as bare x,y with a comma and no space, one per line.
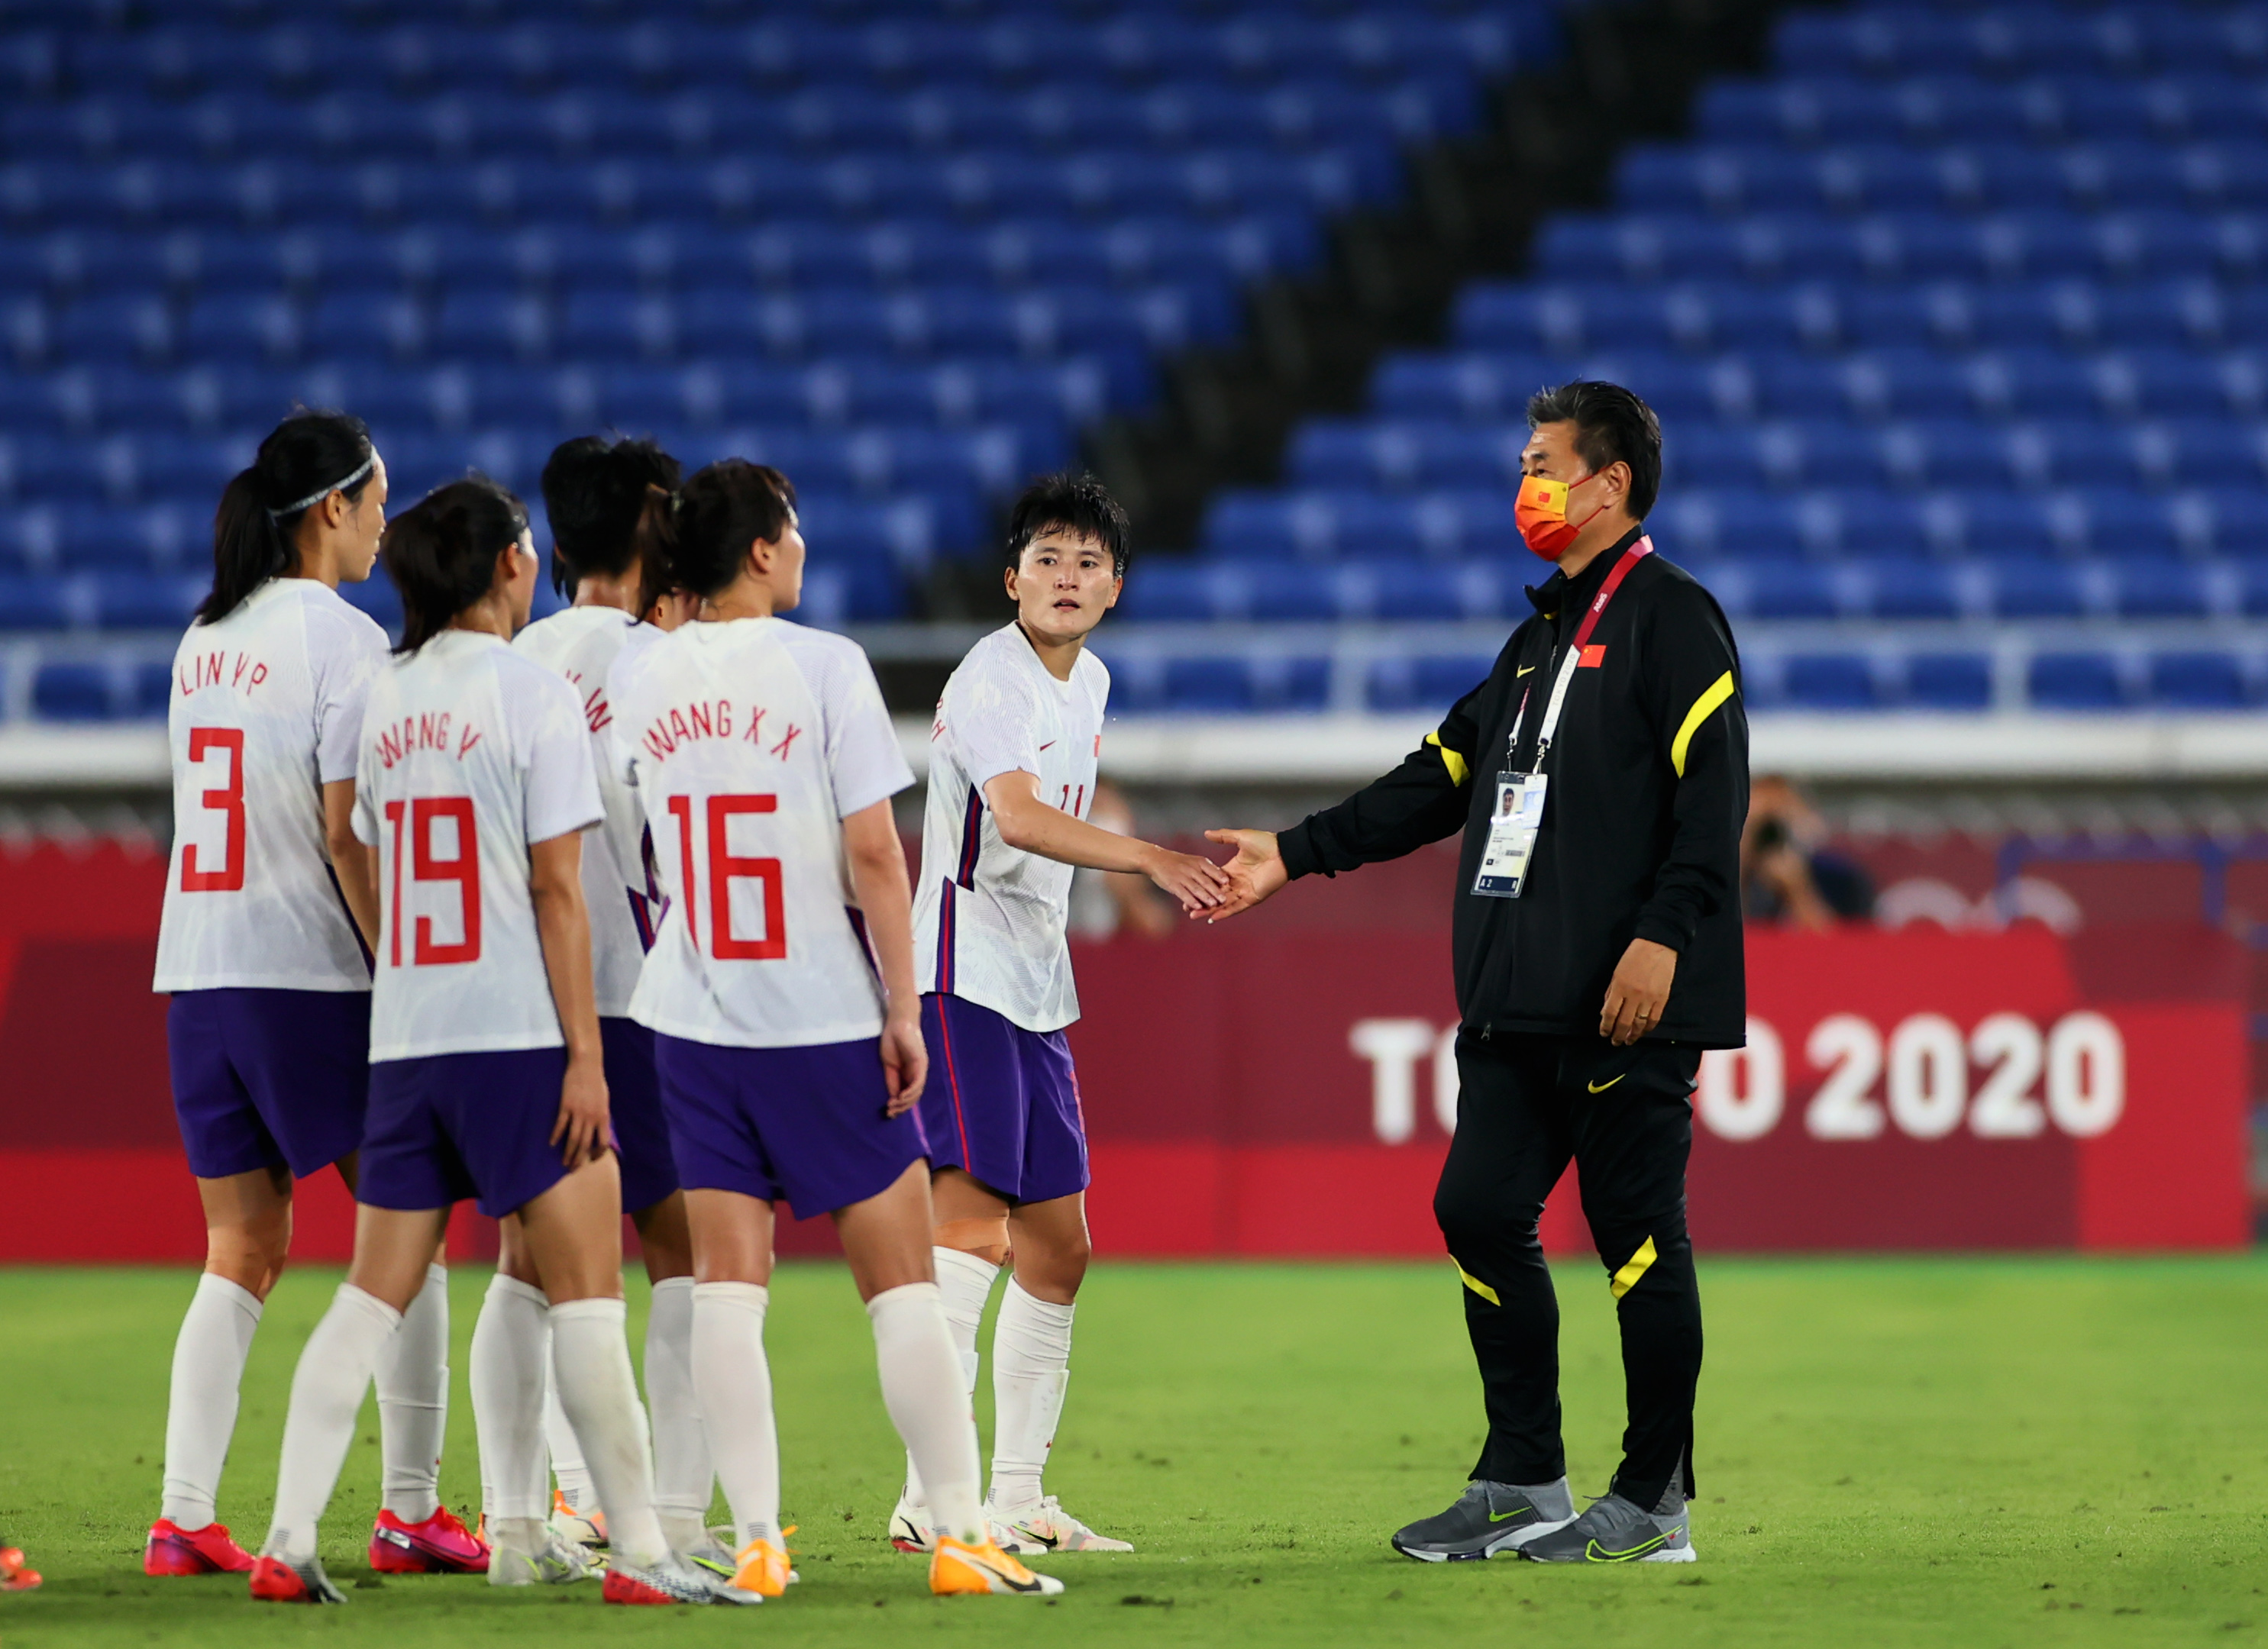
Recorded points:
1787,875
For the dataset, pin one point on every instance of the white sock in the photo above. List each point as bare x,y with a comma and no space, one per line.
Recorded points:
591,1357
566,1453
1031,1365
965,1283
511,1344
209,1357
327,1392
682,1480
732,1381
921,1388
413,1402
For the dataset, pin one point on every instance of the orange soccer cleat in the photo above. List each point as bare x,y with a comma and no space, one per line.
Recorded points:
172,1549
763,1569
960,1567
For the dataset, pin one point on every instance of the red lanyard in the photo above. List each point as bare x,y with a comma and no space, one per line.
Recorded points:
1629,558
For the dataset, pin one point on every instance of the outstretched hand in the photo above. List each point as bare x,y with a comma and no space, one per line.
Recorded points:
1199,884
1255,873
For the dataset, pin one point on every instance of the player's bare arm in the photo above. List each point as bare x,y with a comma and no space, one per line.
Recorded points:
564,924
357,865
1256,873
1034,826
877,871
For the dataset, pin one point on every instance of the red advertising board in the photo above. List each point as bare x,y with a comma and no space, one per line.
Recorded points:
1282,1086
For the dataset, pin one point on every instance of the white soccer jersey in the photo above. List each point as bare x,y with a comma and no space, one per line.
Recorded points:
581,644
990,919
265,708
470,752
749,742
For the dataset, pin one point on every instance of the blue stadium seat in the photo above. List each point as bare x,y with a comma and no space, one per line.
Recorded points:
2076,682
1837,681
1948,680
33,603
1430,682
2199,680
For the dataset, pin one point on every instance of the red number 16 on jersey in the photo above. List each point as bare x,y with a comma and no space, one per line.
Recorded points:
725,868
464,870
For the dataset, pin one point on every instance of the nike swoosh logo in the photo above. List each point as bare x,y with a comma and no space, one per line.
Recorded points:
1034,1535
1601,1087
1505,1517
1050,745
1523,670
1006,1579
1597,1553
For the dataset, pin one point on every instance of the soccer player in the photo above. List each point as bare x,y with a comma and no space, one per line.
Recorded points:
1011,776
263,946
487,1071
790,1067
593,491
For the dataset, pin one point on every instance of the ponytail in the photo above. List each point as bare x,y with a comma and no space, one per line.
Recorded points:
441,553
722,510
305,460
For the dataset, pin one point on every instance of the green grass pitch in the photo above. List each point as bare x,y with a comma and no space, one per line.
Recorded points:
1995,1451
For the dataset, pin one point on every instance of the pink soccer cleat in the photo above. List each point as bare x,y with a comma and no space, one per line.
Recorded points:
439,1545
175,1550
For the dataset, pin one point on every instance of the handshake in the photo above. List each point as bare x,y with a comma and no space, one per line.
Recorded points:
1214,893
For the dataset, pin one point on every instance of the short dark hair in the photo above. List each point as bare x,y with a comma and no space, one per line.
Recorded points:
1077,504
698,538
441,552
594,489
1611,423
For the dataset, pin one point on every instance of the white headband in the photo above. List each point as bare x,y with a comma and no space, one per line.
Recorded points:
320,494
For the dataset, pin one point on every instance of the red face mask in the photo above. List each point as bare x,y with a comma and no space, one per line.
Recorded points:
1540,513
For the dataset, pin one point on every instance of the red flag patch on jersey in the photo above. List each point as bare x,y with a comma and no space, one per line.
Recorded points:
1594,656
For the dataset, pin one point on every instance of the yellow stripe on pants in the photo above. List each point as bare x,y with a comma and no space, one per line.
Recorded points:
1626,1279
1476,1286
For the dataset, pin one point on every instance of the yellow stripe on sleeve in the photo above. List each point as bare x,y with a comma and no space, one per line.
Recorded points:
1458,767
1626,1279
1717,693
1476,1286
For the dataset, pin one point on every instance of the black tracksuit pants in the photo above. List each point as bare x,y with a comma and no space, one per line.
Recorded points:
1625,1115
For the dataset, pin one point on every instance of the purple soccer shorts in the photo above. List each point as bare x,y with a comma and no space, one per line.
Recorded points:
268,1078
450,1126
1002,1103
802,1124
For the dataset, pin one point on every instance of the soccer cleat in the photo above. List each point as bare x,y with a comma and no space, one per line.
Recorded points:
14,1577
275,1580
1044,1525
711,1553
762,1569
172,1549
910,1529
670,1581
958,1568
584,1528
533,1553
439,1545
1488,1520
1616,1530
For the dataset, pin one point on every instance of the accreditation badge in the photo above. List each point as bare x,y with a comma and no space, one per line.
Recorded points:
1517,817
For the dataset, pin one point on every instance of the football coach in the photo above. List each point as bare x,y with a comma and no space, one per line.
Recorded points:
1601,777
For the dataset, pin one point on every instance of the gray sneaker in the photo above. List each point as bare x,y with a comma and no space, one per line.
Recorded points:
1489,1517
1616,1530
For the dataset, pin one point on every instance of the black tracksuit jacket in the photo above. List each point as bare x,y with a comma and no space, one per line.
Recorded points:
1641,831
